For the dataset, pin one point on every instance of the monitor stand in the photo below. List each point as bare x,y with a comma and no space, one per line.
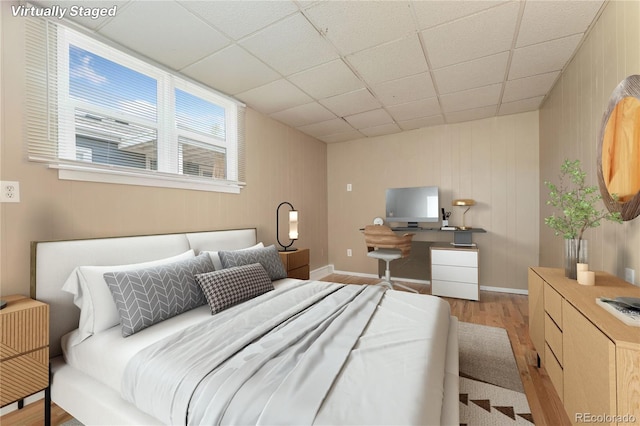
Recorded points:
413,225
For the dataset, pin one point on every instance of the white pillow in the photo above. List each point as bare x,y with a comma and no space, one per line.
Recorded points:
91,294
215,258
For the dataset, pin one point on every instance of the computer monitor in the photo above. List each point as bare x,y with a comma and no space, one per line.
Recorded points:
413,205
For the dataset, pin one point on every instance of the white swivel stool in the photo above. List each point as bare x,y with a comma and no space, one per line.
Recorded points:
384,244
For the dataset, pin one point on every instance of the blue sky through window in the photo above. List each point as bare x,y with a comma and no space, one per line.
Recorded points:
102,82
197,114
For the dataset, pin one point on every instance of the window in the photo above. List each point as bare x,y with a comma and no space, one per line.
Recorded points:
97,113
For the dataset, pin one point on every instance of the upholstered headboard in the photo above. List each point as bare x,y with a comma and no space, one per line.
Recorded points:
53,261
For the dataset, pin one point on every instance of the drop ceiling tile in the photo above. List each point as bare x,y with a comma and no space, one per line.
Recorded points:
324,128
471,114
369,119
543,58
351,103
304,114
357,25
476,73
432,13
472,98
238,19
549,20
144,27
483,34
413,110
390,61
405,90
330,79
383,129
529,87
342,137
275,96
246,73
523,105
418,123
279,45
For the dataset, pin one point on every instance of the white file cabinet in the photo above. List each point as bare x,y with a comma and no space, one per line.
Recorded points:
454,271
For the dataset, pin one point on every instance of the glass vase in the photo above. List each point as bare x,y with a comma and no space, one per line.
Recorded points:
574,254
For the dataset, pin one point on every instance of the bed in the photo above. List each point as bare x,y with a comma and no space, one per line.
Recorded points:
306,352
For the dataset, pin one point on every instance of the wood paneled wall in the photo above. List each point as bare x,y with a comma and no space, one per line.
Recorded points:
494,161
570,121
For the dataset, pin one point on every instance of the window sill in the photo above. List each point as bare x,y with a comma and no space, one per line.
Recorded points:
122,177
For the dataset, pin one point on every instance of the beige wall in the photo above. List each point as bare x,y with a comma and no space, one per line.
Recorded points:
283,165
494,161
570,120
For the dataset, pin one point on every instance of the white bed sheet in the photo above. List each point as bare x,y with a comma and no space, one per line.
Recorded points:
384,355
104,356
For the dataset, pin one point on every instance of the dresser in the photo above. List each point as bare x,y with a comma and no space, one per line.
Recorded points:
592,358
296,263
454,271
24,348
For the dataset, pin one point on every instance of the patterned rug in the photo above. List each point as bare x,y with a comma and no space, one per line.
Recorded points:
491,391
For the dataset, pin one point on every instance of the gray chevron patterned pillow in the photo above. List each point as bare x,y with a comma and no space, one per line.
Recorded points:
228,287
148,296
268,257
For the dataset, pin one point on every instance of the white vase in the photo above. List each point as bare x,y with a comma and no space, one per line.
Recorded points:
574,255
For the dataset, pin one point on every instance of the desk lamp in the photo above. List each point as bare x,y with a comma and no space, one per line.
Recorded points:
464,202
293,226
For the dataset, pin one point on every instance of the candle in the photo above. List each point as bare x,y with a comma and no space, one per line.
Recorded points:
582,267
586,277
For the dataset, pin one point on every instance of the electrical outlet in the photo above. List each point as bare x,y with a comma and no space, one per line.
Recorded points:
349,187
9,192
349,253
630,275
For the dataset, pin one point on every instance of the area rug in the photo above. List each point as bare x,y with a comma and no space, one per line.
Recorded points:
491,392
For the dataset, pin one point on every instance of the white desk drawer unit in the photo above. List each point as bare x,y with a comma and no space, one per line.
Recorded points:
454,272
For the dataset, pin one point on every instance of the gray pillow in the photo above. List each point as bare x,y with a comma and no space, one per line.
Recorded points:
228,287
268,257
147,296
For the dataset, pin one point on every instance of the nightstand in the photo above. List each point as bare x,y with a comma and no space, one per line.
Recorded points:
296,263
24,350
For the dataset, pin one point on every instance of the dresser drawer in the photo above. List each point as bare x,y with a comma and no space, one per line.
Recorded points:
455,289
467,258
454,273
553,337
554,369
553,304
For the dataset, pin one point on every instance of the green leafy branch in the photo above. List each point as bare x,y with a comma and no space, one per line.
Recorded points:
576,201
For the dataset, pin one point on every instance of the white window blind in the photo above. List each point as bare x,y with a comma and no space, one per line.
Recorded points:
96,112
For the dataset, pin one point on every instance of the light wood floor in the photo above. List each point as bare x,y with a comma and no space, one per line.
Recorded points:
505,310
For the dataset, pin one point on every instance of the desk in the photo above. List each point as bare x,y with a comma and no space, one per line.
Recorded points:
418,265
461,237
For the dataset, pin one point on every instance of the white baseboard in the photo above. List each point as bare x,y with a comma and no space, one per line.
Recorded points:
321,272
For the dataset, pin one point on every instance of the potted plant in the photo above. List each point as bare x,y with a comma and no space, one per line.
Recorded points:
577,204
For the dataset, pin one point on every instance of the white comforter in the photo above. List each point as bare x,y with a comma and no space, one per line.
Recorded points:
393,375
